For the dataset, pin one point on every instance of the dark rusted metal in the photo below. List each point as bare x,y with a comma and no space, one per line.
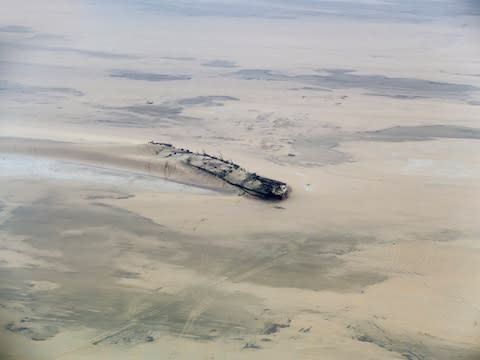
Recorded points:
227,171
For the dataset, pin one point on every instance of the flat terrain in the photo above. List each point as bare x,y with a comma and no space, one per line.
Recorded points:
369,111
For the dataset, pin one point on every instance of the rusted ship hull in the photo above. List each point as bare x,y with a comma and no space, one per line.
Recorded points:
227,171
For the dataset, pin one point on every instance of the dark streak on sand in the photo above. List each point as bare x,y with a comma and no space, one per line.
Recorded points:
16,29
120,119
7,87
441,235
310,88
67,50
420,133
403,87
157,115
398,96
285,260
154,110
322,150
413,347
115,197
220,64
143,115
212,100
397,11
126,274
146,76
178,58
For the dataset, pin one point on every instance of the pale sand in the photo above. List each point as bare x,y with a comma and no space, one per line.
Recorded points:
209,265
375,254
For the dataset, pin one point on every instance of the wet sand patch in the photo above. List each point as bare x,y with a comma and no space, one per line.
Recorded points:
92,239
98,245
349,79
13,166
226,64
413,347
211,100
145,76
281,260
323,149
421,133
318,151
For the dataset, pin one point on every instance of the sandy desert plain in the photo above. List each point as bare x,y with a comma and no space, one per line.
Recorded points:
369,110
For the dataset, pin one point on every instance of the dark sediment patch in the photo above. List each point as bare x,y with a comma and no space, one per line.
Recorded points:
220,64
91,53
279,260
272,328
338,71
320,278
310,88
417,347
323,150
419,11
143,116
224,315
122,120
16,29
7,87
318,151
154,110
43,221
67,50
126,274
398,96
104,305
284,260
178,58
90,238
392,85
212,100
109,196
156,115
32,329
45,37
441,235
32,67
258,74
348,79
146,76
420,133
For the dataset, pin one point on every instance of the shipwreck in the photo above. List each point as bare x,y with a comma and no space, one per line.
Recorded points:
225,170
